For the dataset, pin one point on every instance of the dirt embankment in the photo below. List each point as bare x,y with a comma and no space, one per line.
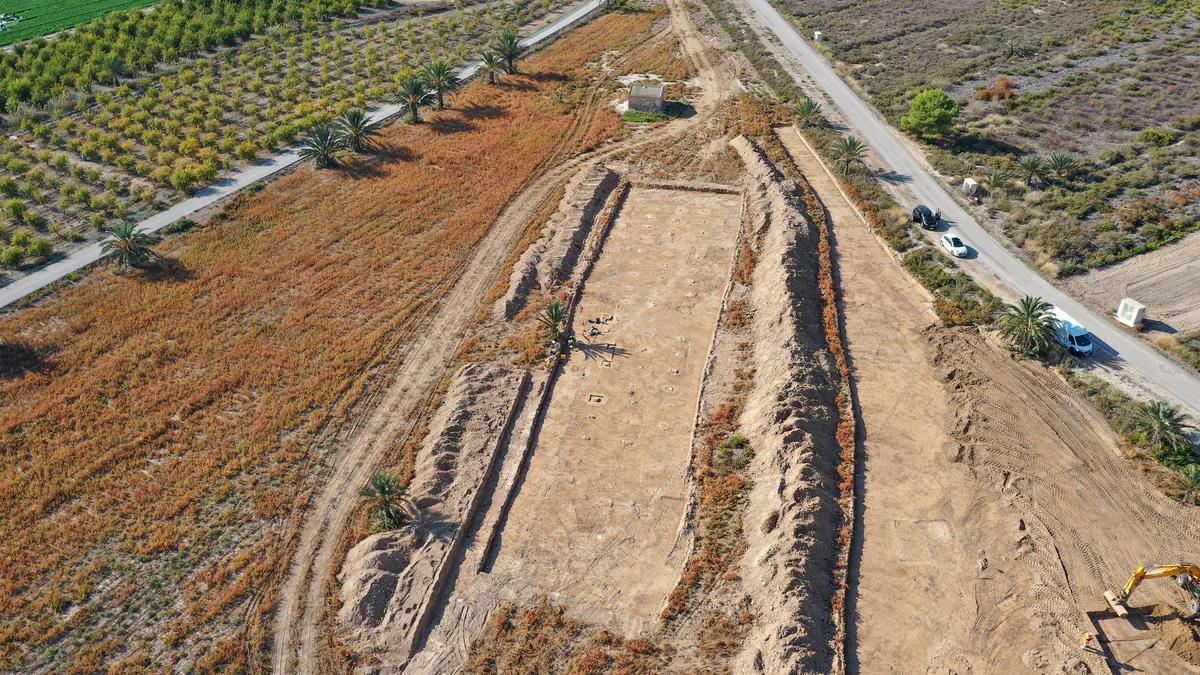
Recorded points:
391,580
791,419
552,257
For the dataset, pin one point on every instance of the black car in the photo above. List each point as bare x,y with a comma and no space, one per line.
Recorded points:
926,218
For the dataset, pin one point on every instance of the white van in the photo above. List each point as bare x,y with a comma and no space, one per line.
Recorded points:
1071,334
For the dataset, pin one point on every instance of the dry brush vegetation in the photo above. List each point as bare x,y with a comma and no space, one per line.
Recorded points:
1079,119
159,429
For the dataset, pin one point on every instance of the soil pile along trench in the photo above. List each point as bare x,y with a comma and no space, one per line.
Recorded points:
791,419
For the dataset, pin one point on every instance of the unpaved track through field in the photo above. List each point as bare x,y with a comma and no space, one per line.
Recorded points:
301,606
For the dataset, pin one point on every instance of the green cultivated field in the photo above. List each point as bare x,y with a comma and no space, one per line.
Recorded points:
39,17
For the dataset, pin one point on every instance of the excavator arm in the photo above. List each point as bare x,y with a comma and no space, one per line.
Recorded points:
1186,575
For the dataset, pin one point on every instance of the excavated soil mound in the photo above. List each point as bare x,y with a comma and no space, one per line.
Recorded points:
551,258
1180,635
390,580
791,419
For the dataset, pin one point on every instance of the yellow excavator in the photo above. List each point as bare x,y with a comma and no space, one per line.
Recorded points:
1186,575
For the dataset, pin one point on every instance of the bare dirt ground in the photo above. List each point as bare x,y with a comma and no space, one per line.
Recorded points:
595,522
997,507
1167,281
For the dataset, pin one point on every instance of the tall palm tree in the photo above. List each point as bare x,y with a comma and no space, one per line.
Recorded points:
441,78
1061,165
1028,324
491,65
321,146
848,154
809,113
386,494
508,48
356,131
1032,169
127,246
553,318
412,95
1163,425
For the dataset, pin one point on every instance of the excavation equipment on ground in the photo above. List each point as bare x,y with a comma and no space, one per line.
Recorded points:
1186,575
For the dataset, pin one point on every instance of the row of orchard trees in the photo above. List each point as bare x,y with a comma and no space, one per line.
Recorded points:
106,49
423,87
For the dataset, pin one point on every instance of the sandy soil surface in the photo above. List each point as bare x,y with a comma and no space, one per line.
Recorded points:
1167,281
997,505
595,521
916,560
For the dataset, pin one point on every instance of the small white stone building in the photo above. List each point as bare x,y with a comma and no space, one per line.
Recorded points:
647,98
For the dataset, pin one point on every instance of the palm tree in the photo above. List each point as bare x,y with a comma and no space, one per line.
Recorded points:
386,494
553,318
127,246
441,78
1028,324
1032,169
356,131
508,48
996,178
848,154
1191,483
1164,427
491,64
412,95
809,113
1062,165
321,146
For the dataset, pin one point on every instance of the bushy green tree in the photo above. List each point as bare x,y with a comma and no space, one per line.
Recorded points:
387,495
931,114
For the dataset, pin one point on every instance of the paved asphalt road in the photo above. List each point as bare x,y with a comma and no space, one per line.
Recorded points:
1123,352
240,179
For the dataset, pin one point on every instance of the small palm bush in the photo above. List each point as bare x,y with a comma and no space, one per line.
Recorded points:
356,131
321,146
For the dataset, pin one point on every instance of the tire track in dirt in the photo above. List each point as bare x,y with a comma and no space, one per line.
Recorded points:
300,615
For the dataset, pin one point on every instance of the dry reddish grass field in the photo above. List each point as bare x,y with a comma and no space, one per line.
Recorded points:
158,432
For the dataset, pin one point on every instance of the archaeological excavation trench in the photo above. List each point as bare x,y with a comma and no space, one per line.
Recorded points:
581,481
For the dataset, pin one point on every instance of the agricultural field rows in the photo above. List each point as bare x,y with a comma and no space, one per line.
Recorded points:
41,17
147,530
125,151
1101,93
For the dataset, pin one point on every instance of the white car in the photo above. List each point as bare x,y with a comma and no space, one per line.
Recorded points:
954,245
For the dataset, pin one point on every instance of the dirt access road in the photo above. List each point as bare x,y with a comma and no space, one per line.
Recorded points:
996,506
594,524
301,606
